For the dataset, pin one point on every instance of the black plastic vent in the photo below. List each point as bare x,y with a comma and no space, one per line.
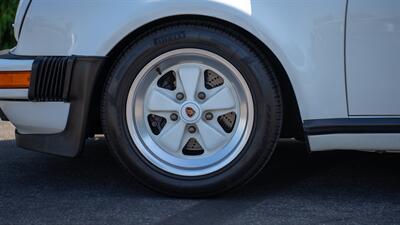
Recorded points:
50,79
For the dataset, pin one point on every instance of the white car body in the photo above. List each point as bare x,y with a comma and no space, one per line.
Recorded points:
341,57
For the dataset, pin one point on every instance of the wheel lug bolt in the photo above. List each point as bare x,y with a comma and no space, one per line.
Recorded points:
201,95
209,116
192,129
180,96
173,116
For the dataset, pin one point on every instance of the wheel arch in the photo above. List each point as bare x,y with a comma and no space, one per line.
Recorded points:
292,123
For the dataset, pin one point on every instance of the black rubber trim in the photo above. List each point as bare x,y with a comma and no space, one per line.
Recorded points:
51,84
3,116
70,142
352,125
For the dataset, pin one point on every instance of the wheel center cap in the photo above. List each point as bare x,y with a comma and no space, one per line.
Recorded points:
190,112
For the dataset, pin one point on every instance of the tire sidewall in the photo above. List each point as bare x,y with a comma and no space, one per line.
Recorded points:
258,76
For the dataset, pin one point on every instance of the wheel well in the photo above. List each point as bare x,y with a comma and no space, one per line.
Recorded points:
292,125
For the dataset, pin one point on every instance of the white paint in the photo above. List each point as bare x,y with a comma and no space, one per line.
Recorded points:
36,117
373,57
242,5
22,7
19,94
307,36
364,142
15,65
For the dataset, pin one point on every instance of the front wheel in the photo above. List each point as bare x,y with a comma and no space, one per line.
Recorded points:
191,110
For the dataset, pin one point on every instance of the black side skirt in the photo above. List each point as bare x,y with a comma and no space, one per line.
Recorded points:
352,125
69,143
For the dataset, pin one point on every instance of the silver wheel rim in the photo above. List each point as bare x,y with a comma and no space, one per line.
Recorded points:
192,142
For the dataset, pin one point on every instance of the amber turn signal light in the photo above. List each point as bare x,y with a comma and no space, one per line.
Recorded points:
15,79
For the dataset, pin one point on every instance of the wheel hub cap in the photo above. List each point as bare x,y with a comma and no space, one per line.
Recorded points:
190,112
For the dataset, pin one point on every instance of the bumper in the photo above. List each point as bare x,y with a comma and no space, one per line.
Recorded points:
36,117
51,115
30,117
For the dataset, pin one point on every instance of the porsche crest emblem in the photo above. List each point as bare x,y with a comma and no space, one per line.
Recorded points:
190,112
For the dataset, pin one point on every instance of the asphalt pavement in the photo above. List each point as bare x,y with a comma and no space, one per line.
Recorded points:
337,187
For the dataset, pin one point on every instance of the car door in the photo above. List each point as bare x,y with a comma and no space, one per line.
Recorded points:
373,57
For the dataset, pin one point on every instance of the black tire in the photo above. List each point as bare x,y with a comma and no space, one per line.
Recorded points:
224,42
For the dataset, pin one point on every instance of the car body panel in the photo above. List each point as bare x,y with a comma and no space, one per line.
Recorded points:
307,36
19,17
363,142
36,117
30,117
14,94
372,57
15,65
